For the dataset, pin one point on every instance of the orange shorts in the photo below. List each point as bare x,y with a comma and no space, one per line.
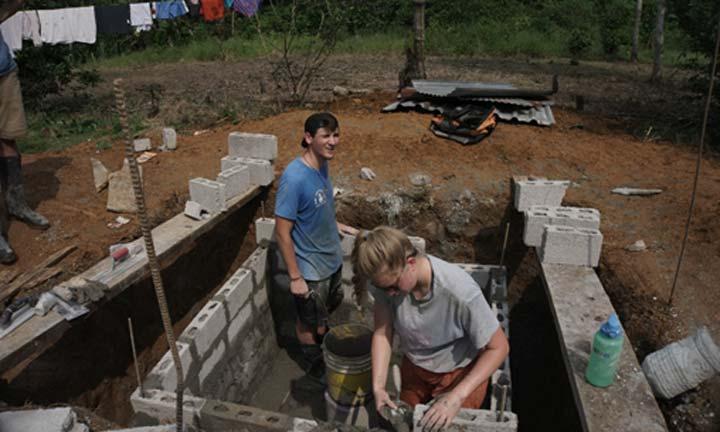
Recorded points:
421,386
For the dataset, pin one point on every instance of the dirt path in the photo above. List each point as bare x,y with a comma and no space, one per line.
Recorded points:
595,152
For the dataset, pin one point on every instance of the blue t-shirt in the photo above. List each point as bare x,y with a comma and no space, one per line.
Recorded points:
305,196
7,64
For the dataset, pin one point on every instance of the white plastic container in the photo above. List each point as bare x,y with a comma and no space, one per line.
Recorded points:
682,365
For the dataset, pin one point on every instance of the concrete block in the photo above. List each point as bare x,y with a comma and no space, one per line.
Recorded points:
161,428
252,145
471,420
159,405
209,194
163,376
261,171
347,243
537,217
169,137
142,144
264,231
257,264
194,210
239,323
205,328
236,291
61,419
529,193
235,179
211,363
418,242
568,245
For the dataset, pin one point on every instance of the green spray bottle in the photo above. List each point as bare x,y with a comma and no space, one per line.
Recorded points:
605,355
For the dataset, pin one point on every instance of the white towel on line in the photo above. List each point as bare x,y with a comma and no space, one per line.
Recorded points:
68,25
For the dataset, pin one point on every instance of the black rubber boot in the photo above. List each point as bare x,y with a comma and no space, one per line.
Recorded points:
7,255
15,194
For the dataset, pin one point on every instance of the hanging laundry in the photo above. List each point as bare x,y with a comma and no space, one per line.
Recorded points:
194,10
141,16
247,7
31,27
12,32
172,9
228,3
212,10
114,19
68,25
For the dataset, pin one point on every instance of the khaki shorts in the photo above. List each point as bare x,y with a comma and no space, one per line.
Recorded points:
12,113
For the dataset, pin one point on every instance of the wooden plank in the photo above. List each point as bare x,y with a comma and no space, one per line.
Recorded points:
579,305
171,239
53,259
7,276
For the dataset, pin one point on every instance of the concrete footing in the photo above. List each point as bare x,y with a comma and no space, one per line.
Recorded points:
41,420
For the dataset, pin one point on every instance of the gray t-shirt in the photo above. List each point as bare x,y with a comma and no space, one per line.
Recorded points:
446,330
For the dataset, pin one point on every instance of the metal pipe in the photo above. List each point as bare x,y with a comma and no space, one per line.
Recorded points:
135,357
150,250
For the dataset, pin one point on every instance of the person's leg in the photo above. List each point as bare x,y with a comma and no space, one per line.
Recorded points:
451,379
13,125
417,383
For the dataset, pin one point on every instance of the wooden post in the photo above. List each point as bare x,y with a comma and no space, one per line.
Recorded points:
419,37
636,31
659,39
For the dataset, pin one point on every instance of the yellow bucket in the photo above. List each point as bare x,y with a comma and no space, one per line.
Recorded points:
348,365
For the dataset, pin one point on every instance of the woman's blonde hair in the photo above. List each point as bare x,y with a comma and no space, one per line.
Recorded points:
382,249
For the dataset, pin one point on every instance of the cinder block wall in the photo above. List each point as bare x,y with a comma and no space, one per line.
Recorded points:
227,349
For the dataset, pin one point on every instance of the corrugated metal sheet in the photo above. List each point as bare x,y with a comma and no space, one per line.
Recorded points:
444,88
540,114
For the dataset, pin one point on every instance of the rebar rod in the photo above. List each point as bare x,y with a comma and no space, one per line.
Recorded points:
135,358
698,163
150,250
505,240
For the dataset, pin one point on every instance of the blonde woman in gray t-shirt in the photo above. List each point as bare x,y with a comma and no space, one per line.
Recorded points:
451,340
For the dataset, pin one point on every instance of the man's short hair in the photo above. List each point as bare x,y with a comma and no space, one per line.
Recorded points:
317,121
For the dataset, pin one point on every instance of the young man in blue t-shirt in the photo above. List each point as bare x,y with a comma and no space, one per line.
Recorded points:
308,235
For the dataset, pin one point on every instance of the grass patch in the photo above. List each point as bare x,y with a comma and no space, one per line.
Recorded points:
59,131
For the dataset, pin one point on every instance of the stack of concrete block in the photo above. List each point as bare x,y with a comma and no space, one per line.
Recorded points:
236,316
236,180
471,420
209,194
261,171
538,217
569,245
528,193
256,151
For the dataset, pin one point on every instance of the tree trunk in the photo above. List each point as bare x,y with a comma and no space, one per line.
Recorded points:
659,39
419,37
636,32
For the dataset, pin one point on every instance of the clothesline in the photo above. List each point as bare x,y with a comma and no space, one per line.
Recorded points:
82,24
